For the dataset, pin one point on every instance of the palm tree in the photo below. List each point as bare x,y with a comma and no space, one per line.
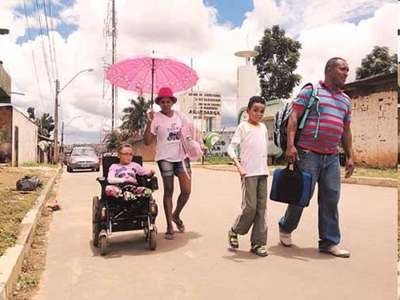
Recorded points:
135,117
112,141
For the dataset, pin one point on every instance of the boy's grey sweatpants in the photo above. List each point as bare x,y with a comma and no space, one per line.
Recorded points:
254,203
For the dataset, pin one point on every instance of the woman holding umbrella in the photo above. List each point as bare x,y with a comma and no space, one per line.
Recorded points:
164,128
143,74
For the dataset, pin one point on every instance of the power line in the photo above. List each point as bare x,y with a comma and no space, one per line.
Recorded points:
49,77
52,37
49,41
33,54
106,35
114,94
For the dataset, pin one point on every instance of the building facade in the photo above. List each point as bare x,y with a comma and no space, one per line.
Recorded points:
375,120
203,107
18,137
5,85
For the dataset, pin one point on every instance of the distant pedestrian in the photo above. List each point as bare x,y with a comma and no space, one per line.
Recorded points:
252,137
316,152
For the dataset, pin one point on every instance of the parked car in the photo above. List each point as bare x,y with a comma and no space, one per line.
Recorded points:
83,158
66,156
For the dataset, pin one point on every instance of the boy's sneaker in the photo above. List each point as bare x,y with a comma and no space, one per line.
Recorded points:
285,238
260,250
233,239
336,251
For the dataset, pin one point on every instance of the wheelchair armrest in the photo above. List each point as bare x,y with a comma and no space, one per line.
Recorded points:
150,182
154,183
101,180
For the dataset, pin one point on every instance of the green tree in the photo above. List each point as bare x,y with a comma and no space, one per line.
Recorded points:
112,140
276,63
377,62
31,113
45,124
135,117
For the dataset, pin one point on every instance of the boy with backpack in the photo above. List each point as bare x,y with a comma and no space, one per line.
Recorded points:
252,136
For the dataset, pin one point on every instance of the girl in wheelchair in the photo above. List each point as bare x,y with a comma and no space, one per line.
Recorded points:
122,177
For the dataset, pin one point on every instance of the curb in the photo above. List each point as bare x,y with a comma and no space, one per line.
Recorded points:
11,261
373,181
398,280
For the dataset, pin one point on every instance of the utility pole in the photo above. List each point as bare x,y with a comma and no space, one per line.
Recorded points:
113,88
62,137
56,105
55,155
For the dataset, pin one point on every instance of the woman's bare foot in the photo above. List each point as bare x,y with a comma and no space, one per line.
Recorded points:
179,224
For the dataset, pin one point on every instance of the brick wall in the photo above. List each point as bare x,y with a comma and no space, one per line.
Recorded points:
147,152
375,129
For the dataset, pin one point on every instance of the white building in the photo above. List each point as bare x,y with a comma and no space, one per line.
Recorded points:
18,136
203,107
248,83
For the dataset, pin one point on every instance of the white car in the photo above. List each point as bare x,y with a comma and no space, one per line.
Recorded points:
83,158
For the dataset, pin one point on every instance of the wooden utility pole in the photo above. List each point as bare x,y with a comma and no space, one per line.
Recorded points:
113,88
56,150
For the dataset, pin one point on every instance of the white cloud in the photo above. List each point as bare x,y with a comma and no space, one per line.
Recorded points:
185,30
347,40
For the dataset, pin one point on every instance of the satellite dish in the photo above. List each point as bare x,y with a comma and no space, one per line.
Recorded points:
246,53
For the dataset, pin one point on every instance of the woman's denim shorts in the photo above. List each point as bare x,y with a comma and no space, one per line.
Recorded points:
169,168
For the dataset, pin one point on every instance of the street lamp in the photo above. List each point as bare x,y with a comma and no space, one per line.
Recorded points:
58,91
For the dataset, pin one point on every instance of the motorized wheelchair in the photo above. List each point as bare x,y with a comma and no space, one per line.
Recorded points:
111,214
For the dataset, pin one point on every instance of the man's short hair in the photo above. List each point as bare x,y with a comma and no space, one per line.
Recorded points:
255,99
332,62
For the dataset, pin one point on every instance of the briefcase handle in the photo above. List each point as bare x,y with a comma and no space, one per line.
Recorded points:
292,166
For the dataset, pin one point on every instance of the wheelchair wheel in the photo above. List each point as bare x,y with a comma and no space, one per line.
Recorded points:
103,244
95,221
152,239
95,209
95,234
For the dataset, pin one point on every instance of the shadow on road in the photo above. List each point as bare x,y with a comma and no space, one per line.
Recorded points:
240,256
134,244
293,252
297,253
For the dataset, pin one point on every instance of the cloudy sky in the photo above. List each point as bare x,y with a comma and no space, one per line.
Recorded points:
207,31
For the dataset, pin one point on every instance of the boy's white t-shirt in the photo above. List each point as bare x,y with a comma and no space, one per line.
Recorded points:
166,129
253,141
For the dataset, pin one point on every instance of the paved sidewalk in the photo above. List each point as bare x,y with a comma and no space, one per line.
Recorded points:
197,264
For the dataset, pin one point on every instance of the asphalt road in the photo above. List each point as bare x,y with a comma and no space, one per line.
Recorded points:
198,265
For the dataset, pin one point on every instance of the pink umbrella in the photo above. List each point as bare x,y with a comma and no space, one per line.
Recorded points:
146,74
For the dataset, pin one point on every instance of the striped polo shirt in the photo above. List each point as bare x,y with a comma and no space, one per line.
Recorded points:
335,113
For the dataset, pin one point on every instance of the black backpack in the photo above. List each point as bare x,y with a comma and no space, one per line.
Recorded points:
28,183
282,117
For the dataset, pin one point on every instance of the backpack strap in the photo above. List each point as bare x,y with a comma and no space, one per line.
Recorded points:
313,98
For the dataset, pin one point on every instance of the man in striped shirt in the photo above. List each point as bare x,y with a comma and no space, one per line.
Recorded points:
316,152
